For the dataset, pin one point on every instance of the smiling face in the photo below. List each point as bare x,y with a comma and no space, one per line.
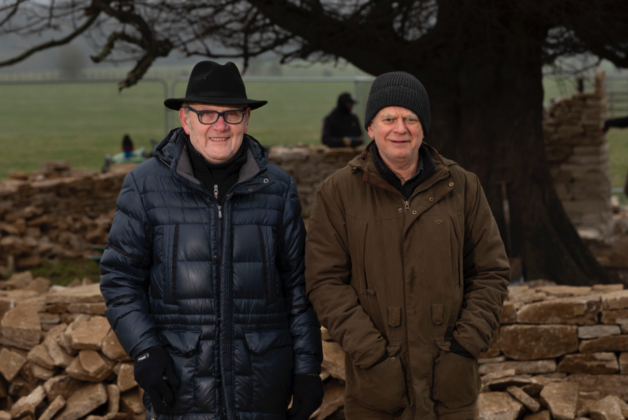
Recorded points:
398,134
217,142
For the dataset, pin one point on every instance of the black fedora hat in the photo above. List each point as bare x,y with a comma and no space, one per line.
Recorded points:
212,83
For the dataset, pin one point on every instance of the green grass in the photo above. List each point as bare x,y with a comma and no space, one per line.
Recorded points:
83,122
64,271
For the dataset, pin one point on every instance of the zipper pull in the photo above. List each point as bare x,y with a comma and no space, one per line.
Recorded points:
220,212
216,191
407,204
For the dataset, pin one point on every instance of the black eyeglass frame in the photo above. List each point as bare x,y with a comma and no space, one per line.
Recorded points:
220,114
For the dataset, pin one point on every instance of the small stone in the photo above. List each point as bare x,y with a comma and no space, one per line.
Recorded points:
502,384
498,375
509,312
126,379
615,300
21,327
536,366
607,409
90,335
112,348
527,296
61,385
46,318
529,402
88,308
17,281
334,360
593,363
533,389
39,355
582,310
83,402
561,398
92,362
39,285
113,393
80,294
58,355
611,316
54,407
607,288
623,363
65,339
534,342
564,291
131,402
26,405
612,343
497,406
596,331
10,364
541,415
586,401
41,372
604,384
76,371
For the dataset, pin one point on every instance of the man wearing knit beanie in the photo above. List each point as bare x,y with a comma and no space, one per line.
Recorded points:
405,266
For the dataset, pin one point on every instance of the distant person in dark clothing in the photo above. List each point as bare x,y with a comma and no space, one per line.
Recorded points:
341,128
616,123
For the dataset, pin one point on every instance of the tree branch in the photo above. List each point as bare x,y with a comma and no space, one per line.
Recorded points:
54,43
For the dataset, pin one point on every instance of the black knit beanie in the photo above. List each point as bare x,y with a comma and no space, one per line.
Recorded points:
402,89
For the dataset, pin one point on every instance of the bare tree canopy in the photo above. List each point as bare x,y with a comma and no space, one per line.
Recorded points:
481,62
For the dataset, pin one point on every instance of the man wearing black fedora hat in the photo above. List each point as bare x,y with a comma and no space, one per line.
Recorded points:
203,274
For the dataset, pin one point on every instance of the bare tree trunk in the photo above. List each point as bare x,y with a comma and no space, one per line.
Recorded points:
488,118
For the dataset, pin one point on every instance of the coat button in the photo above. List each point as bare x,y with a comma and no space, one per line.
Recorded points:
265,180
413,211
250,189
431,199
400,209
451,184
392,358
215,256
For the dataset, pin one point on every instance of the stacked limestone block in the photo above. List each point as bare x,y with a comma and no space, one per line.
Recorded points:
59,358
577,153
309,166
54,213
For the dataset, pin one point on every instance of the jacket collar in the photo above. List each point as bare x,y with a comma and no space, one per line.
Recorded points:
172,151
365,162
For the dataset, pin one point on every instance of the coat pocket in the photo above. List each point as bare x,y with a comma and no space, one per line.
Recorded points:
456,379
182,346
382,387
267,249
271,364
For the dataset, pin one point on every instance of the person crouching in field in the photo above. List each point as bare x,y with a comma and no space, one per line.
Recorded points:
203,274
405,266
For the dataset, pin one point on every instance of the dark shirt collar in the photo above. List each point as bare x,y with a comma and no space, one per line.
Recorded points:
425,168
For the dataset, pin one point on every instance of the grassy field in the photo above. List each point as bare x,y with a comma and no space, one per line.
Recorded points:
83,122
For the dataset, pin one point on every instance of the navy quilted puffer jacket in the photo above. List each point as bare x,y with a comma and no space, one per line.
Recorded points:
223,290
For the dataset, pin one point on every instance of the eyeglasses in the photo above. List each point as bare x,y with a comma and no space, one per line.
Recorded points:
235,116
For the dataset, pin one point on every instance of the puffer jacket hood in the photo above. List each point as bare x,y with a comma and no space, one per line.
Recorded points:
221,288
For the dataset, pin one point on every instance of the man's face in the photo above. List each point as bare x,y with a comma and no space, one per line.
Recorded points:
217,142
398,134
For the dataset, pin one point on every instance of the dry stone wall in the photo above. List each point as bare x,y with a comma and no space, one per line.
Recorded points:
577,153
55,212
561,352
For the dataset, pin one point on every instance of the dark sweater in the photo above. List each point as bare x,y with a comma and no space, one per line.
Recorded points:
218,177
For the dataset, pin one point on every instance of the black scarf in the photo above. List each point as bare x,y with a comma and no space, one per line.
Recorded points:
218,177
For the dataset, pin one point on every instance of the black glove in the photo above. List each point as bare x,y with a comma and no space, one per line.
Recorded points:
154,373
456,348
307,396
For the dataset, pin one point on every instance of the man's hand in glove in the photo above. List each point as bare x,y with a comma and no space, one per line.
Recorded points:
154,373
307,396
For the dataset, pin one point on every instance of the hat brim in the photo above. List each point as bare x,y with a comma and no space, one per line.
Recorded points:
176,103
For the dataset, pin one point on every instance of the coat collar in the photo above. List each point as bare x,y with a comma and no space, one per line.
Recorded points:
365,162
172,151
